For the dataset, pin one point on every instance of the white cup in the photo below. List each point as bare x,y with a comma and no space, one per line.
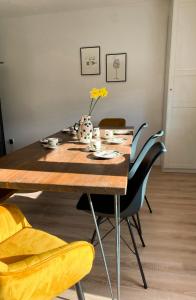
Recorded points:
108,133
96,144
53,141
96,132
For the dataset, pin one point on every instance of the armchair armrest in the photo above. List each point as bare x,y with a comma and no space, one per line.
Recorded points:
77,253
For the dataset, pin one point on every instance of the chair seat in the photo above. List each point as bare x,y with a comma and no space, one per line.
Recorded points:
35,265
104,204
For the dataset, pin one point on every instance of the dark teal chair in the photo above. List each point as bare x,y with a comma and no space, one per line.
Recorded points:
133,166
130,203
135,141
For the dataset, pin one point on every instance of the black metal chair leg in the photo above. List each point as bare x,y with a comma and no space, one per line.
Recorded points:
137,254
139,223
95,233
139,233
79,291
148,204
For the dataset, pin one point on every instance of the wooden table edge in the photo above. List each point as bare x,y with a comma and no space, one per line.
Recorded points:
60,188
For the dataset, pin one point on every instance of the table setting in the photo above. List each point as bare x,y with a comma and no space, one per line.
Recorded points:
97,144
93,139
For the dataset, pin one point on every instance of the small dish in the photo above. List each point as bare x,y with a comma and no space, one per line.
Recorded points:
115,141
45,141
107,154
122,131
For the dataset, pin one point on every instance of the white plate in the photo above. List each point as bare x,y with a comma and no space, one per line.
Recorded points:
69,131
115,141
66,130
122,131
106,154
44,141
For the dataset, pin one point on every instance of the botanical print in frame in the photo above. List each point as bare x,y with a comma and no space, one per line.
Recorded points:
90,60
116,67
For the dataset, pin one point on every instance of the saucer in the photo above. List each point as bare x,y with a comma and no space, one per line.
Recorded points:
122,131
107,154
50,146
107,138
45,141
115,141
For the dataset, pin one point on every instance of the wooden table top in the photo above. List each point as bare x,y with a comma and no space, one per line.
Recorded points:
67,168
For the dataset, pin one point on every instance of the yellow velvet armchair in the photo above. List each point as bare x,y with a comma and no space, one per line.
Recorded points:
35,265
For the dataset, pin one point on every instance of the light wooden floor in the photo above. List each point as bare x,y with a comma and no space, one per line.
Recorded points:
169,259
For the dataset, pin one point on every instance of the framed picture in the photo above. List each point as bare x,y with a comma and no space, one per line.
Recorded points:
90,60
116,67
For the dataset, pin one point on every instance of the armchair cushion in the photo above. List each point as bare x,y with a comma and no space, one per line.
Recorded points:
35,265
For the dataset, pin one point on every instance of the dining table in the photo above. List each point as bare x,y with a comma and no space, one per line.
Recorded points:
72,168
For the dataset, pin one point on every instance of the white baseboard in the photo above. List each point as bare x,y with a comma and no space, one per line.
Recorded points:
178,170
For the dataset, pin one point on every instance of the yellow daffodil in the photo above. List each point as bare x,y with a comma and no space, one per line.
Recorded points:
103,92
95,95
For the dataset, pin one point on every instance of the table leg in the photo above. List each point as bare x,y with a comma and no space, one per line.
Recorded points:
117,221
79,291
101,245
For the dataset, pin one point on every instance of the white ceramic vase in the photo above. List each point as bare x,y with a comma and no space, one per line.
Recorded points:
85,131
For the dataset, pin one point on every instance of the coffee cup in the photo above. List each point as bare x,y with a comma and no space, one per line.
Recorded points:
108,134
53,141
95,145
96,132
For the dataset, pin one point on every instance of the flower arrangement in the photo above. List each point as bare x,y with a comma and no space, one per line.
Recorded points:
96,95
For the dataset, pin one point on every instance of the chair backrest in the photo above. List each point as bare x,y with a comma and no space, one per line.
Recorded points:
113,122
11,221
137,184
151,141
135,140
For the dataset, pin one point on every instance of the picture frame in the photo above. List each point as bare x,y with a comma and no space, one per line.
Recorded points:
90,60
116,67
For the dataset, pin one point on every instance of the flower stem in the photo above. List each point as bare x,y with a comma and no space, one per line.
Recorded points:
93,106
90,106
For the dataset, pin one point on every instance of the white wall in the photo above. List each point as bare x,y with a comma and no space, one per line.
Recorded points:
43,90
